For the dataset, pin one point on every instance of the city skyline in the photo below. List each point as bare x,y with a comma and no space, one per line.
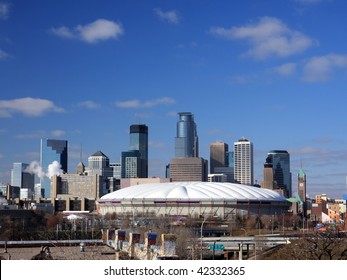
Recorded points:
84,71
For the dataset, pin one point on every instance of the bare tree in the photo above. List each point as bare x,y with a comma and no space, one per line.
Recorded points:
327,245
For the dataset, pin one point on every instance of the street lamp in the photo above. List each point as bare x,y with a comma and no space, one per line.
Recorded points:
201,228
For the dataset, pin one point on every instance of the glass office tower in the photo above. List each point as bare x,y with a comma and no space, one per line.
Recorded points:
51,150
219,153
131,164
22,178
186,141
139,142
281,167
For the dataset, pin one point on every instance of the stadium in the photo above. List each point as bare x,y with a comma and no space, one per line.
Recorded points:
224,200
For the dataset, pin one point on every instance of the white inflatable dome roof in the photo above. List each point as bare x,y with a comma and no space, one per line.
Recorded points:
193,191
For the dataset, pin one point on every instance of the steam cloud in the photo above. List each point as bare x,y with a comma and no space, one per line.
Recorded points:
53,169
35,168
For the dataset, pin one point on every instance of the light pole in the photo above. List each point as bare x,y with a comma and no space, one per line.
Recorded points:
214,248
201,228
282,223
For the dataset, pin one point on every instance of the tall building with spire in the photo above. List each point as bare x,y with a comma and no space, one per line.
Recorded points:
186,141
187,165
243,162
302,190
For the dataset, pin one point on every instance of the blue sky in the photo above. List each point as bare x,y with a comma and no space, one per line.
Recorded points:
274,72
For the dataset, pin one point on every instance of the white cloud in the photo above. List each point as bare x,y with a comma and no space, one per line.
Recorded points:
4,10
308,2
27,106
99,30
241,79
172,114
3,55
267,38
32,135
309,150
63,32
89,104
135,103
320,68
286,69
156,145
169,16
58,133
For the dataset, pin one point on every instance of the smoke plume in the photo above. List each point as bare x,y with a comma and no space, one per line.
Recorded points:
35,168
53,169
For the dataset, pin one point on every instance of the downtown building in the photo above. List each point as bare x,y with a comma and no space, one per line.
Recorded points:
302,193
243,162
218,155
99,164
22,178
76,192
280,160
187,165
277,175
268,175
221,163
134,162
52,150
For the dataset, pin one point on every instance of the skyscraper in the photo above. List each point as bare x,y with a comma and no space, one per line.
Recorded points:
187,165
131,164
281,166
243,162
189,169
268,175
186,141
52,150
221,161
219,153
99,163
22,178
139,141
